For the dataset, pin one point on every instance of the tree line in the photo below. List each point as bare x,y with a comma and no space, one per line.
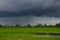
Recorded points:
38,25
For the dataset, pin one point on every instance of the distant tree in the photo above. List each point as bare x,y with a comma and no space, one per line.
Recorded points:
1,25
17,25
45,25
39,25
57,25
12,26
28,25
6,25
35,26
50,26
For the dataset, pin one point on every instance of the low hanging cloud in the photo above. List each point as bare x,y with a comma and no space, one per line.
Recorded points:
32,20
49,8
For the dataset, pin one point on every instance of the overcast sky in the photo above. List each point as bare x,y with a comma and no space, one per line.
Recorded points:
18,10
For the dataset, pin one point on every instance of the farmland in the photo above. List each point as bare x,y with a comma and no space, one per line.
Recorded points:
28,33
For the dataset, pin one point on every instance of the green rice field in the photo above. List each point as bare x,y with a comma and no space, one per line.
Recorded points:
28,33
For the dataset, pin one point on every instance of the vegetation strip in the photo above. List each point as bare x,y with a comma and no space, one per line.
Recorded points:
52,34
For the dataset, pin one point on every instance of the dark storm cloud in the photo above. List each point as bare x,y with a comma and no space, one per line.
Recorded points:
8,14
33,20
49,8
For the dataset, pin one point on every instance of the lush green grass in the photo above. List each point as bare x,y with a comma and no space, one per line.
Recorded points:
30,30
24,33
25,37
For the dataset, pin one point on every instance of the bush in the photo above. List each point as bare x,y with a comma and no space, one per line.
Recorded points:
1,26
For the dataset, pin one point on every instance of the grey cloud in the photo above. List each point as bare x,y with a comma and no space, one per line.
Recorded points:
9,20
18,5
30,7
25,8
33,20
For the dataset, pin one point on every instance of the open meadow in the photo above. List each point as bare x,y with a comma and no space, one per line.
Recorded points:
28,33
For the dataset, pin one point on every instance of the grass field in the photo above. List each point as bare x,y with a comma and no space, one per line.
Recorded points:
28,33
